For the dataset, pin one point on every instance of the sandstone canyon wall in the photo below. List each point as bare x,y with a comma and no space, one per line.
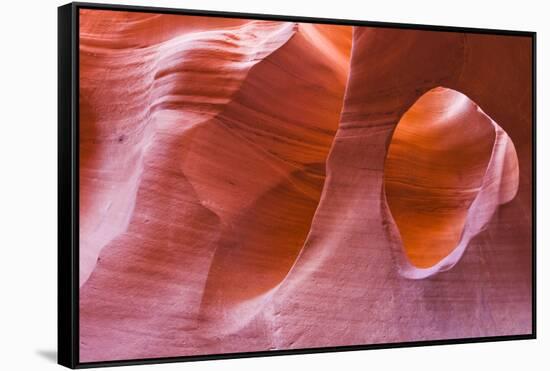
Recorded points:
252,185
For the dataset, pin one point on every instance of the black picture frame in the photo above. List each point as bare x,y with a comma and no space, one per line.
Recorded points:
68,183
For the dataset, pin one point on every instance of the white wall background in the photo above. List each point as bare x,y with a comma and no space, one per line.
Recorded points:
28,182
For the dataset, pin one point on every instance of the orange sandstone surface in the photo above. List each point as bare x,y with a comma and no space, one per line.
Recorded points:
252,185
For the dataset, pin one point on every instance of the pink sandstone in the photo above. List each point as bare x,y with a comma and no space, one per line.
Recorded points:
242,185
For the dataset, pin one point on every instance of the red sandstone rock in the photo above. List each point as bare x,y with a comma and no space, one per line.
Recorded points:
448,168
244,185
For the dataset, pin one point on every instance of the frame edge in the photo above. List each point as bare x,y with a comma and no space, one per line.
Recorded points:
67,353
299,18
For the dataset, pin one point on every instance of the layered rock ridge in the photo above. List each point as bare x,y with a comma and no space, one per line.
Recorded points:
252,185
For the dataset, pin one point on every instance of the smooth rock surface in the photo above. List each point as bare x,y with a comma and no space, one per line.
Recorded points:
241,185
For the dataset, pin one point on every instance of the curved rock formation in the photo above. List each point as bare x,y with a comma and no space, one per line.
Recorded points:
448,168
232,192
126,86
348,285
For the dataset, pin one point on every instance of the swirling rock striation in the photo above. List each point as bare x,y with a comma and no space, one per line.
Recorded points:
246,185
442,186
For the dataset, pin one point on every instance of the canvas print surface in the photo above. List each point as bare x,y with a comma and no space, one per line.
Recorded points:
251,185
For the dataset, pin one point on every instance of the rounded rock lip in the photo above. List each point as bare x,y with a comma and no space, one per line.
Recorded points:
498,185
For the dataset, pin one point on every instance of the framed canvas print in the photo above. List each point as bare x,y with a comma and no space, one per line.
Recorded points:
235,185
